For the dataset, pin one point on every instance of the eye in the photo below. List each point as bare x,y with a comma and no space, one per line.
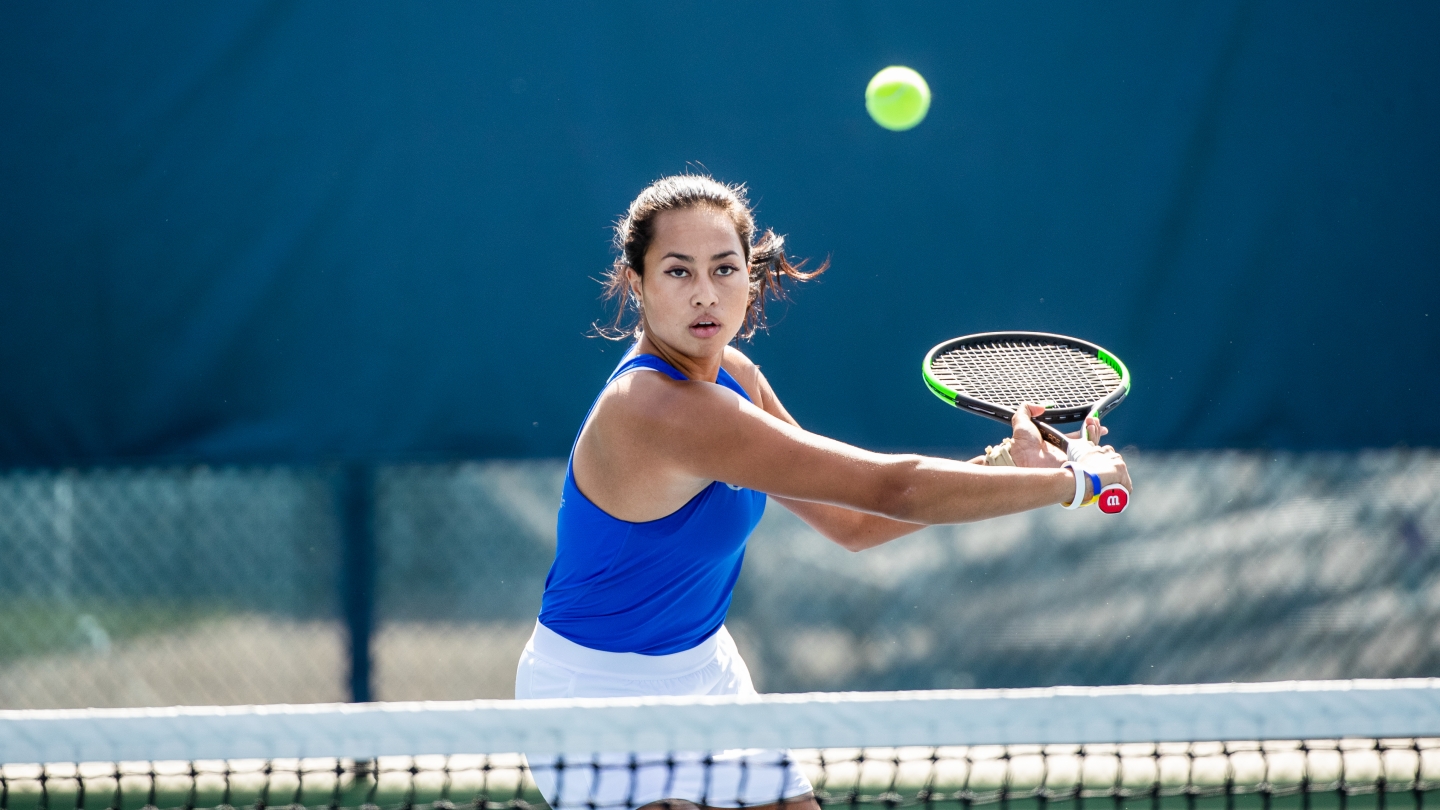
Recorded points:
726,270
677,272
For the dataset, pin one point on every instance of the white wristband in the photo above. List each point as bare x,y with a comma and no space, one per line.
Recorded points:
1079,473
1079,448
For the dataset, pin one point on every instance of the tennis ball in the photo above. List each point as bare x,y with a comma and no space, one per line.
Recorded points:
897,98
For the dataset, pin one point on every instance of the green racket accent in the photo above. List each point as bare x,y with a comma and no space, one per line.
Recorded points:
1114,362
936,387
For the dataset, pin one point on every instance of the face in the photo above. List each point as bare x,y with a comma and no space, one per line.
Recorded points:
696,288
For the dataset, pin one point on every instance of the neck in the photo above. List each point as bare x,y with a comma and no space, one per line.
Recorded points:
695,368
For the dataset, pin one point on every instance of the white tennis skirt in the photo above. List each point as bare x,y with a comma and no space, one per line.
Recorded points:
552,666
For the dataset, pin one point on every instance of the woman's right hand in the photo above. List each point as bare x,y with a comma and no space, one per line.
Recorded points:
1030,450
1109,465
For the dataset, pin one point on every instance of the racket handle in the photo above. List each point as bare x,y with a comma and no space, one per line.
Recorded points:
1113,499
1053,436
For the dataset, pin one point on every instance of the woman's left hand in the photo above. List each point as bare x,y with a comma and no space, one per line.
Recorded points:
1028,449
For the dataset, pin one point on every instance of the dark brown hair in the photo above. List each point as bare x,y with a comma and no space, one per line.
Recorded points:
765,255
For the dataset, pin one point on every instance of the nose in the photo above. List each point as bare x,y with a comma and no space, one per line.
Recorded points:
704,294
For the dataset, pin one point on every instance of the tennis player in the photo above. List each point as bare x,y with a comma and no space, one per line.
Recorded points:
669,476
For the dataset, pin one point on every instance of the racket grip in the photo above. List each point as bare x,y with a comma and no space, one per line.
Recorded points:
1053,436
1113,499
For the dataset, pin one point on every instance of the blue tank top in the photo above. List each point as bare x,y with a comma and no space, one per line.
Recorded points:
656,587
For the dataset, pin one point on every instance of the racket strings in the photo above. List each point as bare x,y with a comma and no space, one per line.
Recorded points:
1011,372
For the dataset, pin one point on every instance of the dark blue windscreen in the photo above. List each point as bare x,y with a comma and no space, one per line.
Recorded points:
295,231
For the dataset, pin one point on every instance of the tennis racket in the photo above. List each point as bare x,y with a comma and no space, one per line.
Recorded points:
991,374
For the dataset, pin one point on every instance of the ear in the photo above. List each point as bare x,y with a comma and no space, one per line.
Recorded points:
635,281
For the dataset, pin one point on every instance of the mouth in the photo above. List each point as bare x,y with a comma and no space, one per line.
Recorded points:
705,327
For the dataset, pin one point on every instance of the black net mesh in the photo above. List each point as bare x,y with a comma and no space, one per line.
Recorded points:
1351,773
1009,372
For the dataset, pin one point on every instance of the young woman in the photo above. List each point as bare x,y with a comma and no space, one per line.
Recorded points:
670,473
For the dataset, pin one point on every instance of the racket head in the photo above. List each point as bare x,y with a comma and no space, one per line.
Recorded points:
991,373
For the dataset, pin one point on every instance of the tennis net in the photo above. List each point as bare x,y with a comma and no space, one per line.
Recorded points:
1343,744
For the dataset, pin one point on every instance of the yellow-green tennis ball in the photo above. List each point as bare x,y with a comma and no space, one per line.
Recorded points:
897,98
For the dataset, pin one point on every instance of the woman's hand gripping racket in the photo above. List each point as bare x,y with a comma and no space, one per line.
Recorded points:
992,374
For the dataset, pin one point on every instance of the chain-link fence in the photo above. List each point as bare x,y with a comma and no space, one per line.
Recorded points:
200,585
1227,567
145,587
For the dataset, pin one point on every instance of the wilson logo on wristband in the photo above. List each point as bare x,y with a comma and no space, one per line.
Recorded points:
1114,499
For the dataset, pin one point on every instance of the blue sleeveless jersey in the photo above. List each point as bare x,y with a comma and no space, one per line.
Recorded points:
656,587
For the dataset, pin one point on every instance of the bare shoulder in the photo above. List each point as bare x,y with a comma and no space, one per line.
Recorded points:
646,403
631,457
745,372
640,396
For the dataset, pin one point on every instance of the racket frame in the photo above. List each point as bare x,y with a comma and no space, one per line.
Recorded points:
1055,416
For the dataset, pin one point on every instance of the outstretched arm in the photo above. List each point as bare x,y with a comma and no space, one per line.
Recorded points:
856,530
706,433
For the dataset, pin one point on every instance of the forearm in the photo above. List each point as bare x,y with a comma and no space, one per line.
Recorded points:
918,489
849,528
858,527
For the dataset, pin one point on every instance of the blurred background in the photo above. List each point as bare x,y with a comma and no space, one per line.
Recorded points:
295,302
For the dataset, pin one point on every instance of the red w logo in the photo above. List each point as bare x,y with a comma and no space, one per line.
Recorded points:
1113,499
